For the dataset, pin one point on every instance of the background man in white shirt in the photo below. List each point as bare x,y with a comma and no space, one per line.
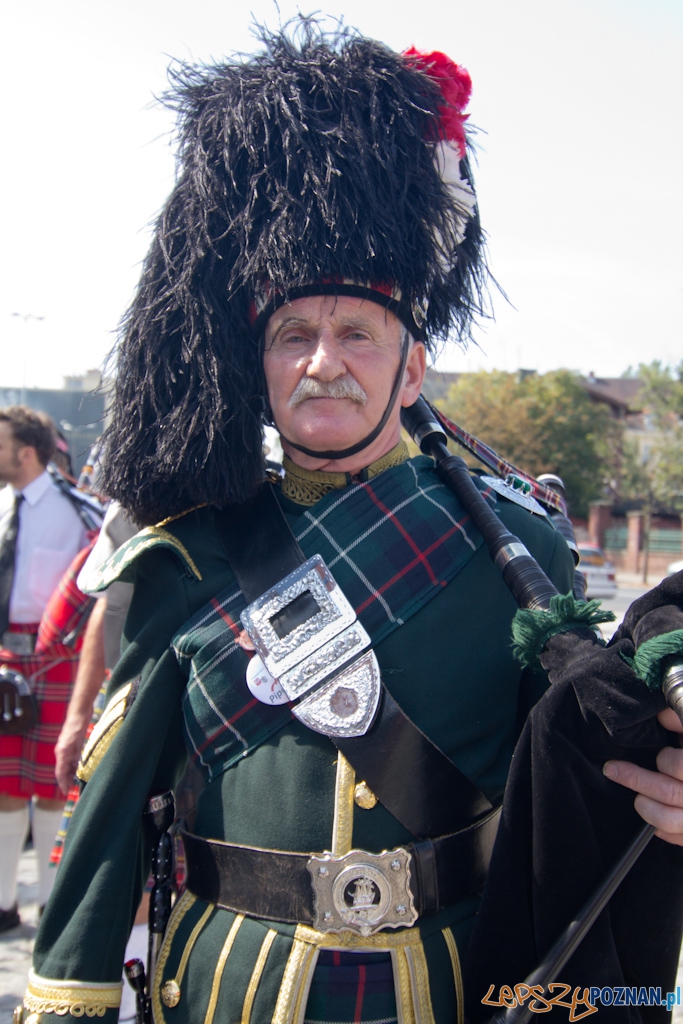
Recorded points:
50,533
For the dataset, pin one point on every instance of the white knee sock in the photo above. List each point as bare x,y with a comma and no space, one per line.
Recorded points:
13,829
45,826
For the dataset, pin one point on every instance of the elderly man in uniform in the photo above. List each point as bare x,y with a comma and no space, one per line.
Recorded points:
40,533
332,650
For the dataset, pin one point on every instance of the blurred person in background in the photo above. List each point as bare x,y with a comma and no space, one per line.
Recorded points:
41,532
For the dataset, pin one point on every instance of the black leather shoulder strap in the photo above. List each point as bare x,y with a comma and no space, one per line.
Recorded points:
259,544
411,776
415,781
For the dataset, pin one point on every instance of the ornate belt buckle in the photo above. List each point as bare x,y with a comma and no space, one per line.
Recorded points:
362,892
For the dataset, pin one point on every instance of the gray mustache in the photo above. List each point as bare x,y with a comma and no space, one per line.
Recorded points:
341,387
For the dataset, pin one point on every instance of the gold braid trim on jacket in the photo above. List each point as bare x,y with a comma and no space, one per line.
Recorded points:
78,998
308,486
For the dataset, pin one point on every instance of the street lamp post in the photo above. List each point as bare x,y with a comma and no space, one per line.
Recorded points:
25,317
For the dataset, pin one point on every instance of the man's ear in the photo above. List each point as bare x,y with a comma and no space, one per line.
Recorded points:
416,367
26,453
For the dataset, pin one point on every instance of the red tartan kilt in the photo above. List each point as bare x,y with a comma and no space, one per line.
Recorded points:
27,762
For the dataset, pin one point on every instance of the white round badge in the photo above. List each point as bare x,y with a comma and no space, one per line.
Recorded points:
262,685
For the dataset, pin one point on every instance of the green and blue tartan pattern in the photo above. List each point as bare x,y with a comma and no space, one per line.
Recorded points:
391,543
352,988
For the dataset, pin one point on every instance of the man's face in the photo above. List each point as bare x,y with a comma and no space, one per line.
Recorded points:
10,465
330,364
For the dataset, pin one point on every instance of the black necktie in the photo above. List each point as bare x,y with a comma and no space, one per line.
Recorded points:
8,551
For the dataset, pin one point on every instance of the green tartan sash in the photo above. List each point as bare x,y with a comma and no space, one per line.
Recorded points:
391,543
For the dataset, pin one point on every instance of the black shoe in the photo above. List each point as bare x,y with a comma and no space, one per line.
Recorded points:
9,919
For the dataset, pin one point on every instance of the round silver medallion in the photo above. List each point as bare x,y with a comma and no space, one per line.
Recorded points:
361,896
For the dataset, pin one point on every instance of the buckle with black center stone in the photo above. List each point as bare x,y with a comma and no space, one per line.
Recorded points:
362,892
310,641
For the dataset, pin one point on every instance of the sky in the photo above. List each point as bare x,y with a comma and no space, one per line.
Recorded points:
580,167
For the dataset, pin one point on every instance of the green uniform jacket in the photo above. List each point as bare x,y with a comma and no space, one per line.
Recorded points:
450,668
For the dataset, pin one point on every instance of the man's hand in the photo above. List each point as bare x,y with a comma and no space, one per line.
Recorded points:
660,793
68,749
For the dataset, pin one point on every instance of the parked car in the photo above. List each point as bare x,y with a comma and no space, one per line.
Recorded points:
673,567
599,572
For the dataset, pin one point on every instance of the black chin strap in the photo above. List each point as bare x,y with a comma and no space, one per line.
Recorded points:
375,432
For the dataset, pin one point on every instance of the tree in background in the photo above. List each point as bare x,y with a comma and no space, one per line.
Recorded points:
652,472
543,424
662,395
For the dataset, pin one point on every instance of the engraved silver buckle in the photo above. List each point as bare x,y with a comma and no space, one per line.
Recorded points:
346,704
317,647
362,892
323,653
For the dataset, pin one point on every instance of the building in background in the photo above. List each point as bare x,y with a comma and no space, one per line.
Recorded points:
639,536
78,410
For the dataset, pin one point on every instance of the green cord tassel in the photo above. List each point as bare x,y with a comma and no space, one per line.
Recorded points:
531,629
650,654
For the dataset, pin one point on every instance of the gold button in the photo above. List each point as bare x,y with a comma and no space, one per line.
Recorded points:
33,1018
18,1015
364,796
170,993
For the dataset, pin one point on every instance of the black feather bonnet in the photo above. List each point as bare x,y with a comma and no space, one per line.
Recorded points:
323,158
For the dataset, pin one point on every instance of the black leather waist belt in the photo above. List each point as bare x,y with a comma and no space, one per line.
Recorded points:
360,891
